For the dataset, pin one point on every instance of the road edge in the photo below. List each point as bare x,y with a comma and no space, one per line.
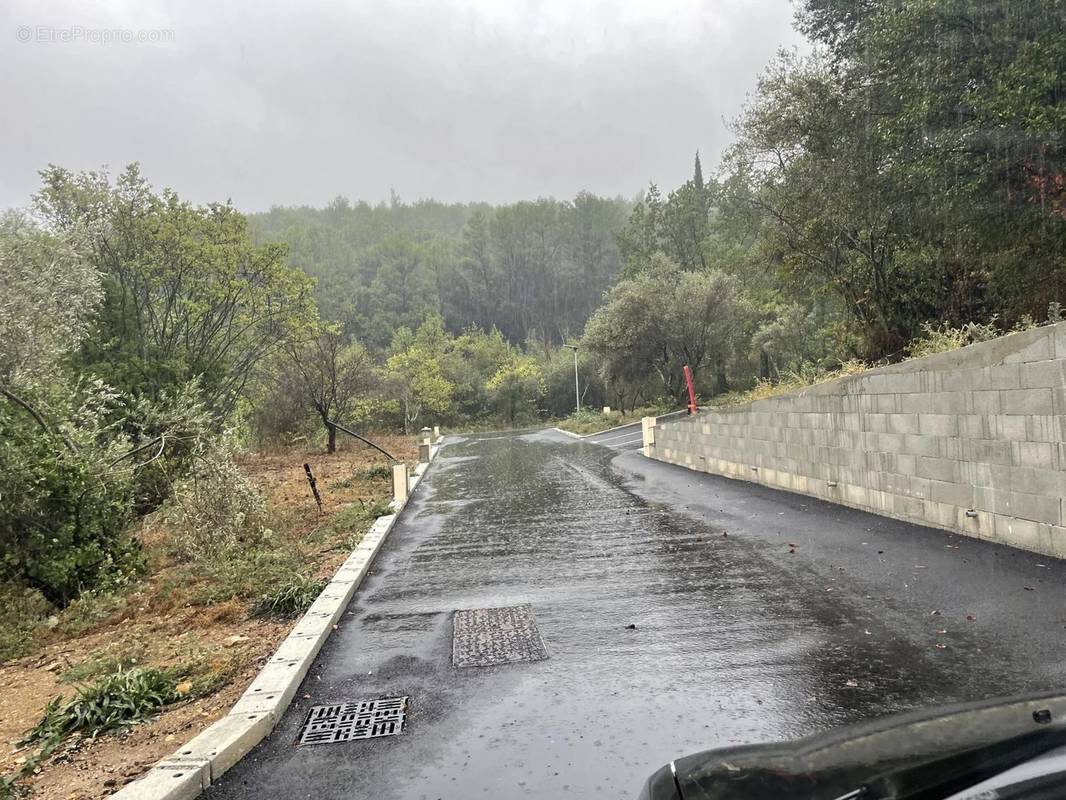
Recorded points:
202,760
571,433
616,427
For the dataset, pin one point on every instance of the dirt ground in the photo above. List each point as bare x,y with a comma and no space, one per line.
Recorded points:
155,625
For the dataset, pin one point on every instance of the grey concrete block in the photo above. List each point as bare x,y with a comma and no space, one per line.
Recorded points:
1040,508
902,423
1023,533
1027,401
987,402
1005,376
908,506
940,469
955,494
1010,428
1050,374
973,426
1039,350
907,464
994,500
962,380
1033,454
991,451
950,447
919,487
920,445
1051,482
938,424
1045,428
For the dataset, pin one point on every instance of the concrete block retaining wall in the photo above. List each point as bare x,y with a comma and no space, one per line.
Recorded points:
972,441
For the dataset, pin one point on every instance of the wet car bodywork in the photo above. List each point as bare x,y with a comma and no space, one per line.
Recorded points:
978,751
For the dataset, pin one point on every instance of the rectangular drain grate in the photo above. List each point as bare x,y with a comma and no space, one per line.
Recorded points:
346,722
485,637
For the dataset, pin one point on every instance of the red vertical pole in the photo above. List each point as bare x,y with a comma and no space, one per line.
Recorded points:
692,407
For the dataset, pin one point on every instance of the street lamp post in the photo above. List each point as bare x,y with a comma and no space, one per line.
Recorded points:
577,386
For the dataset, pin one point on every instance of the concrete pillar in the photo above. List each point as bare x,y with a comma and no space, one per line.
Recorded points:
436,433
400,484
647,429
423,452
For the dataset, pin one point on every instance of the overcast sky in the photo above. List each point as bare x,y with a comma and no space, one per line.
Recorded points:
280,103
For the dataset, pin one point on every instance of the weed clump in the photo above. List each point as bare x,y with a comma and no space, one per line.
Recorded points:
292,597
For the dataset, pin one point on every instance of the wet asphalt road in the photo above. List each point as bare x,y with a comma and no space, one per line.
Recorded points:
736,639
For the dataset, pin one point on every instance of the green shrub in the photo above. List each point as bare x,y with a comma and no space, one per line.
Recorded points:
290,598
62,525
216,509
944,338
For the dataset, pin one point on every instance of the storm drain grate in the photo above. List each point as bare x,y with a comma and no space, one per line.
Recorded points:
485,637
346,722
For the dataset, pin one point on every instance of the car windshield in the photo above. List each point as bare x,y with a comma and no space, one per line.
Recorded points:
527,399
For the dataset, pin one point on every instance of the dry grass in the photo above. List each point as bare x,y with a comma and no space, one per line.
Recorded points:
789,383
180,616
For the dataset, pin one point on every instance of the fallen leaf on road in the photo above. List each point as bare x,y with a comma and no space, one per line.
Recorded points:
942,630
851,684
867,633
1028,588
935,613
970,617
940,646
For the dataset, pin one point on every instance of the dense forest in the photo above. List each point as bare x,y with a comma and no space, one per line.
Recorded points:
532,270
900,188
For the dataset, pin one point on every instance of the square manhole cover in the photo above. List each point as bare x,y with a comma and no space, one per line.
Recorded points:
347,722
485,637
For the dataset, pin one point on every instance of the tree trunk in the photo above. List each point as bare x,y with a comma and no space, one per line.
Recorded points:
331,442
722,381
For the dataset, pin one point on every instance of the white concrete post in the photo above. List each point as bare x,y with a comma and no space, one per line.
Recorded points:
647,429
424,445
400,485
436,433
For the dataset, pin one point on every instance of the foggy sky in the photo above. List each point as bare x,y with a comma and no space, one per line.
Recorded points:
296,102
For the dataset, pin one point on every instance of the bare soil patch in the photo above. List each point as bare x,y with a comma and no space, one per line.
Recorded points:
166,620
